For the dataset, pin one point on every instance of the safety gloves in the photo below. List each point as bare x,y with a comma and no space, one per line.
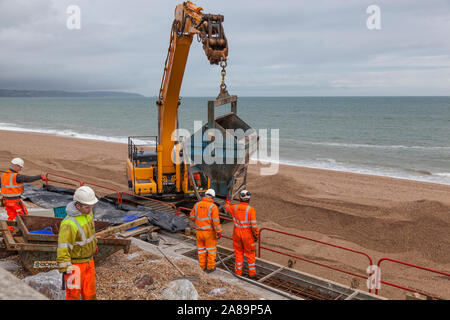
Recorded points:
70,269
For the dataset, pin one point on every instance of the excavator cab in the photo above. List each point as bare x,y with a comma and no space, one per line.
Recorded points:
141,163
142,172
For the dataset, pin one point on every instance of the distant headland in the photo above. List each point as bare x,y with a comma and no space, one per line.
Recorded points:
67,94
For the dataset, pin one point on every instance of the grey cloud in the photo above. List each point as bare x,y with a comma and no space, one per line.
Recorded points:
276,48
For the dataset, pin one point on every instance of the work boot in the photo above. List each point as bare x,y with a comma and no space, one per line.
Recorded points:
210,270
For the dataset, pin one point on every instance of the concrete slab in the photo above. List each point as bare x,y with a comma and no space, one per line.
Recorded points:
12,288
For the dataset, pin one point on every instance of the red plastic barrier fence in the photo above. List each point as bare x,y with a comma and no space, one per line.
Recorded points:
57,175
64,177
119,196
308,260
409,265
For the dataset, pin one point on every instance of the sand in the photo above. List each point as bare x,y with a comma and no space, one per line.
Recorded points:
383,217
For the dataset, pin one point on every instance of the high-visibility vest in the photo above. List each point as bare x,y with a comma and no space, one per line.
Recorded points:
81,229
197,179
10,187
205,215
243,215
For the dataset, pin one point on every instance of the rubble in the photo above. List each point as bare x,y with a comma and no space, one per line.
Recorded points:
116,275
20,272
217,291
47,283
181,289
142,281
10,266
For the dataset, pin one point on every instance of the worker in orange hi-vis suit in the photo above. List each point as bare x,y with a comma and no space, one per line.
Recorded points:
245,233
12,187
205,216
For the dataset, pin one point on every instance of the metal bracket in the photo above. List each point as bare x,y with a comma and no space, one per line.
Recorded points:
220,101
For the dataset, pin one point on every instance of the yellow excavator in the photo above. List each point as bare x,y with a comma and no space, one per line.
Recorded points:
150,168
158,166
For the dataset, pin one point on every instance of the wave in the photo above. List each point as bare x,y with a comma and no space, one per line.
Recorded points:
375,146
332,164
64,133
443,174
424,172
319,163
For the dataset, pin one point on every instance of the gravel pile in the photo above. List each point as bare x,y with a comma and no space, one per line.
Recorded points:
141,275
123,277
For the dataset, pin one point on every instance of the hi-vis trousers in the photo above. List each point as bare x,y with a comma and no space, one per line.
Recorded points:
244,244
80,284
13,208
206,249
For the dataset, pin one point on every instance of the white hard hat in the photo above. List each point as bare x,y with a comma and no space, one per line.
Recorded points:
210,193
85,195
17,161
245,195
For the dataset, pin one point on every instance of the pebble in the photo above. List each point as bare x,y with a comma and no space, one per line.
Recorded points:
9,266
144,280
132,256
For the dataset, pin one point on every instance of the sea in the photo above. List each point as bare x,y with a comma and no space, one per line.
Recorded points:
401,137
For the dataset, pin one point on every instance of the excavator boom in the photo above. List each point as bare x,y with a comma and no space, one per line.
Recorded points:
189,21
168,171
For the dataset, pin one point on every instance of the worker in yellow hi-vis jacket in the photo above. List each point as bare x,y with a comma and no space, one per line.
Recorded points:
77,246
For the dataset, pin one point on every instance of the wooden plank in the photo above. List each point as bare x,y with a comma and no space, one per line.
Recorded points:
138,231
7,237
19,239
122,227
35,247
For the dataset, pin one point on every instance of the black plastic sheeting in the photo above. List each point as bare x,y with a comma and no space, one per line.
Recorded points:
50,197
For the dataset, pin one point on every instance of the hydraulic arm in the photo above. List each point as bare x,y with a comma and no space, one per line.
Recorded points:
189,21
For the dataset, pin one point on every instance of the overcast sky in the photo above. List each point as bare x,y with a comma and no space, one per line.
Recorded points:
283,48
